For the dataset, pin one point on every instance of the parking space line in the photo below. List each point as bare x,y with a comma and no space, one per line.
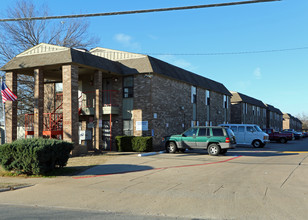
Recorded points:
160,168
294,152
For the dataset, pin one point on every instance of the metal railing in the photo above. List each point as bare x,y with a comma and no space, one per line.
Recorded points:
53,122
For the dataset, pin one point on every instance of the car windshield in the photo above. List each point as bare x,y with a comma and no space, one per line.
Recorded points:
257,128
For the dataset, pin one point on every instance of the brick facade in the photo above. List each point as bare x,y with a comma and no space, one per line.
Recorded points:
11,109
291,122
247,110
167,107
70,105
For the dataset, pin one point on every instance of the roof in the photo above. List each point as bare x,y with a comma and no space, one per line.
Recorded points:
273,109
114,61
114,54
47,55
239,97
148,64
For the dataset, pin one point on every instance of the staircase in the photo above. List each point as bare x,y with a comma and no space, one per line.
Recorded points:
53,122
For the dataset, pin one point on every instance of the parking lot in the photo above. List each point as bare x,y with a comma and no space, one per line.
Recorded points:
247,183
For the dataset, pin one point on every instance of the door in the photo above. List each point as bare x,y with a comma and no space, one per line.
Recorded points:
239,132
189,138
202,138
250,135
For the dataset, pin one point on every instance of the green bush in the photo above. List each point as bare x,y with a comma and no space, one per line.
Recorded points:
142,144
136,144
35,155
124,143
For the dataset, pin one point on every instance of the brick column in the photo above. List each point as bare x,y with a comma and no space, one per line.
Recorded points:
98,84
11,109
38,102
70,105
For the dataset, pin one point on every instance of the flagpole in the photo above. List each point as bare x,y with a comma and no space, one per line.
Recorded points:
4,130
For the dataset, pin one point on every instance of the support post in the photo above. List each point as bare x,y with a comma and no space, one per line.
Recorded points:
11,109
70,106
38,102
98,79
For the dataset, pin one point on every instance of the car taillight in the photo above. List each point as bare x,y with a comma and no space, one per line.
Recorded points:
227,140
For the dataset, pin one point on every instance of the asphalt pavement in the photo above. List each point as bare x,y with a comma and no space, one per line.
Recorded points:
247,183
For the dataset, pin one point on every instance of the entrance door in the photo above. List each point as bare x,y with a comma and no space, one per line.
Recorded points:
106,135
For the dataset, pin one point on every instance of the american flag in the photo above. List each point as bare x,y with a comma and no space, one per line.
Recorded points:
7,94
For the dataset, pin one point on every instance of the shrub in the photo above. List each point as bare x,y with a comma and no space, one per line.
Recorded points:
142,144
35,155
124,143
136,144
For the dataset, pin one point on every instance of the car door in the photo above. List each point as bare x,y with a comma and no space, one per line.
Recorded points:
202,138
250,134
189,138
239,133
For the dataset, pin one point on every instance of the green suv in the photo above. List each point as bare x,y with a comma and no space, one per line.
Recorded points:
216,140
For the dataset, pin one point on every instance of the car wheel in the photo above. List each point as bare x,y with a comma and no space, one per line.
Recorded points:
171,147
283,140
223,151
256,144
213,149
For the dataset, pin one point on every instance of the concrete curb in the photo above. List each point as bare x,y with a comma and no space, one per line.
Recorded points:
150,154
14,188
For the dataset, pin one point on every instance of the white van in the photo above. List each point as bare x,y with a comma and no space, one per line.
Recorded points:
248,134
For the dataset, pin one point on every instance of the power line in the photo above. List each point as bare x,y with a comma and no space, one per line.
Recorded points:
136,11
230,53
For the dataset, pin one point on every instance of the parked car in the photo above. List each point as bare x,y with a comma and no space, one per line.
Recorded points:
248,134
216,140
297,135
278,136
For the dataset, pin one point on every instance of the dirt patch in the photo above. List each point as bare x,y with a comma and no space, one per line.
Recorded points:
91,160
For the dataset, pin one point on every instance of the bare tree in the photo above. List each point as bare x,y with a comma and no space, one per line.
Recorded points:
304,119
16,37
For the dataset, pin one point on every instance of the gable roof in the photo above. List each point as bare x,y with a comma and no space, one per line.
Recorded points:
119,62
42,55
114,55
273,109
239,97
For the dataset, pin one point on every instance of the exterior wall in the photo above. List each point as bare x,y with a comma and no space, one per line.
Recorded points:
239,116
237,113
167,107
286,123
49,97
274,120
290,122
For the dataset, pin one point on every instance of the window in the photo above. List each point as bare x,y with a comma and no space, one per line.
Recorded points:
264,113
245,108
250,129
207,97
203,132
59,87
128,87
258,111
234,128
217,132
190,132
241,129
193,94
225,102
253,110
128,128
